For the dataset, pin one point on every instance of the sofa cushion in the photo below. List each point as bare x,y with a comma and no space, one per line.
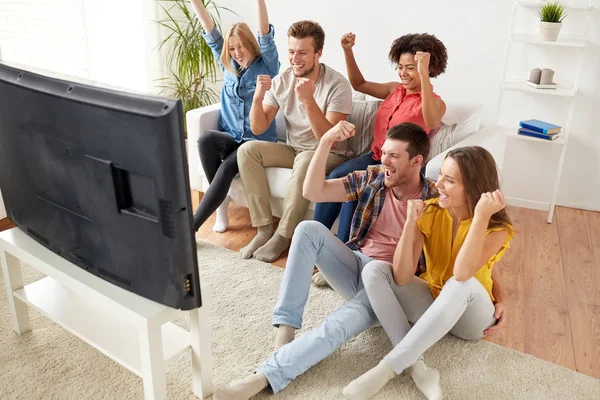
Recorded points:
443,138
363,117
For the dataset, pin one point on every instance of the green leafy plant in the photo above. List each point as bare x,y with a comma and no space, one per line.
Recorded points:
191,63
552,12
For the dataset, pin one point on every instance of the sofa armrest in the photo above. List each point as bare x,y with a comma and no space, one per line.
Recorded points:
197,121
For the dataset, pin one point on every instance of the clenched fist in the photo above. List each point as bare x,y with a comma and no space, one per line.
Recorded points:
422,59
414,210
340,132
305,89
490,203
263,83
348,40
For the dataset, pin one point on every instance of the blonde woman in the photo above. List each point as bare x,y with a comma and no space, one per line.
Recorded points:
242,57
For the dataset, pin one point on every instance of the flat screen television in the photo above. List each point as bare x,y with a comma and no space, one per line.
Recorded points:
99,176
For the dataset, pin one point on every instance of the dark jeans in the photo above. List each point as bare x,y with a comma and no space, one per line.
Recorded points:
326,213
218,155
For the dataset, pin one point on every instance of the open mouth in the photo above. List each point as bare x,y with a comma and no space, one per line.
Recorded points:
443,196
389,173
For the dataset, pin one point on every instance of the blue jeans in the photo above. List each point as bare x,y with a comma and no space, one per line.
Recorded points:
326,213
314,244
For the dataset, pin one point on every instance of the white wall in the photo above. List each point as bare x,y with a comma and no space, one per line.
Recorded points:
475,33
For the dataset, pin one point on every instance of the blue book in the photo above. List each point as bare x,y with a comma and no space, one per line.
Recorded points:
527,132
540,126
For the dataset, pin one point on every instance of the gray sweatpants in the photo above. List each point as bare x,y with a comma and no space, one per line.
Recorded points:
463,308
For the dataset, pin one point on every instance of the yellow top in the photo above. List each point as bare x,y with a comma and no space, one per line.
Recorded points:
441,252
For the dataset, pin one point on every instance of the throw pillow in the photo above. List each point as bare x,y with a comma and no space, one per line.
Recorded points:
443,138
363,117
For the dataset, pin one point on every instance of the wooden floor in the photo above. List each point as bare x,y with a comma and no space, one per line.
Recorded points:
551,275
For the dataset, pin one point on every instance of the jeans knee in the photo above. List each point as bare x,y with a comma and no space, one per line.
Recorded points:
454,285
207,138
309,228
375,273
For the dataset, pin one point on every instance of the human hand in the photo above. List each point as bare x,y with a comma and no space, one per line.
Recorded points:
305,90
263,83
490,203
414,210
422,59
500,315
348,40
340,132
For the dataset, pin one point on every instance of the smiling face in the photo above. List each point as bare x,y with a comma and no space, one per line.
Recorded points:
399,167
302,55
451,186
240,53
407,71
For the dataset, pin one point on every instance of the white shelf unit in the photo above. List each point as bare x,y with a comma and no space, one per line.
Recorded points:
569,93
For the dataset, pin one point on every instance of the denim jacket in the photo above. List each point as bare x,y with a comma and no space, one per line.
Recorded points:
238,91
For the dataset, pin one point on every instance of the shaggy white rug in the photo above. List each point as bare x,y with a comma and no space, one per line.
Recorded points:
50,363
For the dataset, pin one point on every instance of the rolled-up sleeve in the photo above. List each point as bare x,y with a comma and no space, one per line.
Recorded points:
268,50
214,40
354,183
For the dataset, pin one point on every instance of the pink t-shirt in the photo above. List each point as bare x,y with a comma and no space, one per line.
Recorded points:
397,108
383,237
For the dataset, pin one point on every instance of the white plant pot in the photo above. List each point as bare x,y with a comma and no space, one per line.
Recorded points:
549,30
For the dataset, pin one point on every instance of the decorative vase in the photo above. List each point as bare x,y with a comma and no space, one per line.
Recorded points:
549,30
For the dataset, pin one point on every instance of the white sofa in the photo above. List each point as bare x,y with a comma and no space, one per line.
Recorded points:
467,132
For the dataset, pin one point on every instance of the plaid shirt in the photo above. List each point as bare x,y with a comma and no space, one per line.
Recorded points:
369,189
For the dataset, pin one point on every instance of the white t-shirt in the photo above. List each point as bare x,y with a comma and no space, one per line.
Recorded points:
333,93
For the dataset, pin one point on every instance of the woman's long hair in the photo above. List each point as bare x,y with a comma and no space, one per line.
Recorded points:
479,174
244,34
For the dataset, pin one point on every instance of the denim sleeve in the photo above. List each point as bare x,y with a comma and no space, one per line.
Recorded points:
214,40
268,50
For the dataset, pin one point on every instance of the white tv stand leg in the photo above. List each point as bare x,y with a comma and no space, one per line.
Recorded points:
13,280
77,300
200,339
153,367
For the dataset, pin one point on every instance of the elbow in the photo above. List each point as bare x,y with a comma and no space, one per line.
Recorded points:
256,129
400,279
308,193
358,86
432,122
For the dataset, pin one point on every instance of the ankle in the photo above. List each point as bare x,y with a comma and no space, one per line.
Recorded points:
266,230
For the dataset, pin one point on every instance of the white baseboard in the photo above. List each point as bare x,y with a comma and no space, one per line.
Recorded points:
536,205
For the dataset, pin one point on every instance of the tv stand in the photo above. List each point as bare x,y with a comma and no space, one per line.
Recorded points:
134,331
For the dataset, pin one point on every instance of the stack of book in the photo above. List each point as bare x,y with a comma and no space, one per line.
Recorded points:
539,129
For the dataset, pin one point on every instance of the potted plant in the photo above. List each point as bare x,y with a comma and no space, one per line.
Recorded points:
551,15
191,63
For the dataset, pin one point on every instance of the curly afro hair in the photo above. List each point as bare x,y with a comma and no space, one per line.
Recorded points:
421,42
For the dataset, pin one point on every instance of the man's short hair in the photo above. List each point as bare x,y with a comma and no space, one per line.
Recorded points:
414,135
302,29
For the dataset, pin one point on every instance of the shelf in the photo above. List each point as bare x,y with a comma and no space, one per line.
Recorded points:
102,329
521,86
514,135
536,4
535,40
